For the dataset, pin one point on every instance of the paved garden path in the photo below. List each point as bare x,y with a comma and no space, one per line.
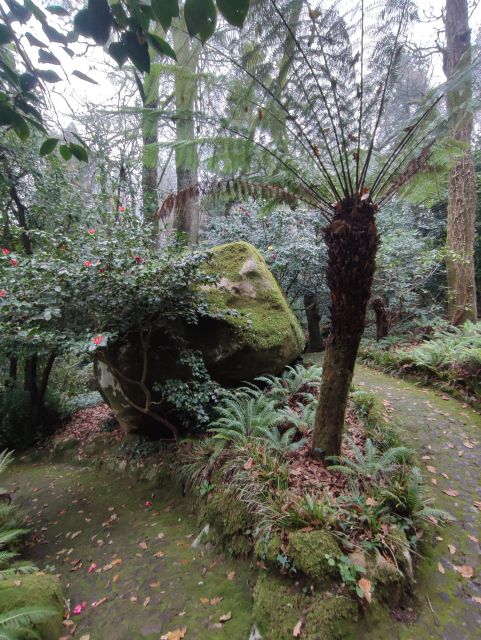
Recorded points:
447,436
130,563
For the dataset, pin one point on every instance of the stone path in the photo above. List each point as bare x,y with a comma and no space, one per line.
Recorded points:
148,580
447,436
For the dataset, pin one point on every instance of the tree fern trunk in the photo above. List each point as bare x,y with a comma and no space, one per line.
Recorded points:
462,180
352,242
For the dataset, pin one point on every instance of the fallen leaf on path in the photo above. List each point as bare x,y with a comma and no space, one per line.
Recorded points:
85,637
365,585
178,634
467,444
465,570
116,577
226,617
92,567
154,585
451,492
431,469
445,475
434,481
97,603
441,569
204,600
477,599
159,554
146,602
473,538
143,545
231,575
452,549
477,504
460,453
215,601
249,464
297,629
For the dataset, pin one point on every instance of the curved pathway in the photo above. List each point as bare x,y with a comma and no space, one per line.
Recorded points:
447,436
126,560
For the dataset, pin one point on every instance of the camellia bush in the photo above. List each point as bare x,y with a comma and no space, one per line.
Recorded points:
81,293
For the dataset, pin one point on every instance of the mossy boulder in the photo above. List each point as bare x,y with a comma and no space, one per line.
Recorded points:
35,590
230,523
253,332
310,552
279,605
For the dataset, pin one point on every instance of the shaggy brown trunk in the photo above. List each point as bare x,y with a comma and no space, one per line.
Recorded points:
382,321
462,180
311,306
352,242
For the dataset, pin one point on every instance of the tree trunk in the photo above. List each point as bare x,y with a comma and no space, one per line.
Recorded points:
150,152
462,180
352,241
311,306
186,214
382,321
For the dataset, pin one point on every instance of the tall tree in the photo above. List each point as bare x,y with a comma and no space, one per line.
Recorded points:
462,179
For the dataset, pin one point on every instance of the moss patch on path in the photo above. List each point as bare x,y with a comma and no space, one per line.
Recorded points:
447,436
135,562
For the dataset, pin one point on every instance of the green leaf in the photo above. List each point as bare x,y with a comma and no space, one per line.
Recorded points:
53,35
27,82
65,152
5,34
35,42
160,45
138,52
82,76
57,10
7,115
47,57
100,20
47,75
200,18
21,127
19,11
234,11
79,152
164,11
81,23
48,146
118,52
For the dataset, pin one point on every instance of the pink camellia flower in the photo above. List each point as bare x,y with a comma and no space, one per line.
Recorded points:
121,209
138,260
5,251
102,270
92,567
91,231
148,503
87,263
97,340
13,262
3,293
79,608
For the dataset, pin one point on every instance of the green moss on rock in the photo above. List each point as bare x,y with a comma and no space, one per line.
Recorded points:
279,605
308,551
36,590
230,522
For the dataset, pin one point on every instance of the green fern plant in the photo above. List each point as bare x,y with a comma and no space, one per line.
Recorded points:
17,623
282,442
371,465
295,381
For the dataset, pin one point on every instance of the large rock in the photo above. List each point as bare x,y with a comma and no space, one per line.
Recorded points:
258,335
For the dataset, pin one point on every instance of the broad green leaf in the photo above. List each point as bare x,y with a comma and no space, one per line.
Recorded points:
47,57
138,52
7,115
53,35
81,23
27,82
234,11
164,11
48,146
82,76
65,152
79,152
19,12
160,45
118,52
200,18
57,10
47,75
100,20
5,34
35,42
20,127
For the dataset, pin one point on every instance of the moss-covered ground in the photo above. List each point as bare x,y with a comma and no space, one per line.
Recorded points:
447,436
148,579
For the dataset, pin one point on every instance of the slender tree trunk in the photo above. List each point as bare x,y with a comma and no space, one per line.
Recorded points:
462,179
311,306
150,152
42,388
382,321
352,242
186,214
